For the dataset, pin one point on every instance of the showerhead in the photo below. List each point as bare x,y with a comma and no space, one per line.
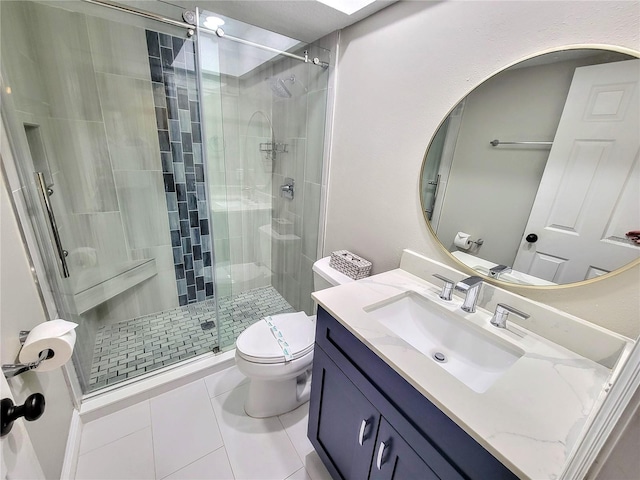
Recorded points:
279,88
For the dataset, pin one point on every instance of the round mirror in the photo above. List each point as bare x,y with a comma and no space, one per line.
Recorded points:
534,177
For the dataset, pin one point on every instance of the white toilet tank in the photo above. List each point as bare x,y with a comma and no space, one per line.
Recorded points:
326,277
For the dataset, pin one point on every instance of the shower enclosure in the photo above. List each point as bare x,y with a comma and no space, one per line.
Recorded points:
171,178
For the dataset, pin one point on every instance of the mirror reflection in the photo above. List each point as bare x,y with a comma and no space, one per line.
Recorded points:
534,177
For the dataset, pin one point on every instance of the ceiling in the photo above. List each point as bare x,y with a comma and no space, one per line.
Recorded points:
305,20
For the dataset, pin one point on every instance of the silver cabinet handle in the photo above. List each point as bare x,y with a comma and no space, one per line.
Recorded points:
363,427
381,449
53,230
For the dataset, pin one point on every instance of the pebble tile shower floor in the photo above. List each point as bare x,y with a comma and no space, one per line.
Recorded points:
131,348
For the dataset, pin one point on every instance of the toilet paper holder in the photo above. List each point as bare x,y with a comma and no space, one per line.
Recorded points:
13,369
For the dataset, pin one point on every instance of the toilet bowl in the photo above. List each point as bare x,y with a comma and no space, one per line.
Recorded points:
276,354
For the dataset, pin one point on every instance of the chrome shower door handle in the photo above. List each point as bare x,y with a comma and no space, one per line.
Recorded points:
53,226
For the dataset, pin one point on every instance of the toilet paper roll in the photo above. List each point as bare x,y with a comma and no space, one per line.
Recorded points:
462,241
58,336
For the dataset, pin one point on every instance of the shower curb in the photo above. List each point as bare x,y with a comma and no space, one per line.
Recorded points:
123,396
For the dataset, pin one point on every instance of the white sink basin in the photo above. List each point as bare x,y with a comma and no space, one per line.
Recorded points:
463,349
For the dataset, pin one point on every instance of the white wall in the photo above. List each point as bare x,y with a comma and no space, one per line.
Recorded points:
399,73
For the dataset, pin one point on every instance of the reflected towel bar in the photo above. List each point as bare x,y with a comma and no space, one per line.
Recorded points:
497,142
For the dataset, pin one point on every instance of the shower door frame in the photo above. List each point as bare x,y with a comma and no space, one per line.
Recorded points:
17,162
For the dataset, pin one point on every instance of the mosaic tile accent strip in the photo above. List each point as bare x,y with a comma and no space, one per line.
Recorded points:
175,96
128,349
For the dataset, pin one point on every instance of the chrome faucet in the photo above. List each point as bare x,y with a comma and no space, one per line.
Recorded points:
471,287
502,312
447,288
496,271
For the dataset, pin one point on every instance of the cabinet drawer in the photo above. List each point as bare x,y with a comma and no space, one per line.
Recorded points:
448,450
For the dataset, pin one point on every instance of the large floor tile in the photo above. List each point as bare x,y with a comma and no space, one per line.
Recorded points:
214,466
112,427
184,427
315,468
257,448
295,424
299,475
130,457
224,381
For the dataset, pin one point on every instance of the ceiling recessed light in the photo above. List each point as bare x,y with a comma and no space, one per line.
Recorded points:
212,23
347,6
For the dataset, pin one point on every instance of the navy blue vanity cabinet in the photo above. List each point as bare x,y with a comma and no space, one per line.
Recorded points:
346,430
394,459
366,421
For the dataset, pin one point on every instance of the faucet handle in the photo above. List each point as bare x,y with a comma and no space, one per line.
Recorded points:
469,282
447,288
496,271
499,319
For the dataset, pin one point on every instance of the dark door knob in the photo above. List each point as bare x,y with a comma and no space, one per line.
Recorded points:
532,238
31,410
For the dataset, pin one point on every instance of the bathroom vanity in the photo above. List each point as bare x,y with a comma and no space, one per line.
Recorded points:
366,419
504,403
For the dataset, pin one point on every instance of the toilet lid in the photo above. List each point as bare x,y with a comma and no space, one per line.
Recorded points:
257,343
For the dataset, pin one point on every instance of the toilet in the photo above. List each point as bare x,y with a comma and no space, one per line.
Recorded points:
278,385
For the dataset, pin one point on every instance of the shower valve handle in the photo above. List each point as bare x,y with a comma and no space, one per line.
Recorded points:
287,190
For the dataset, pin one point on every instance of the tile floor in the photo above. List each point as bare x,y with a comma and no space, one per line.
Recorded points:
131,348
199,431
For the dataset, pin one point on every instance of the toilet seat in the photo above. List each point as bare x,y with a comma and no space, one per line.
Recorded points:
258,345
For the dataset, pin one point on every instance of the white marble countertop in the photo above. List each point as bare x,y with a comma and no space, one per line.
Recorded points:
530,419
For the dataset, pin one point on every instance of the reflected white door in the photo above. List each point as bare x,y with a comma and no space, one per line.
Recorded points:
19,460
589,195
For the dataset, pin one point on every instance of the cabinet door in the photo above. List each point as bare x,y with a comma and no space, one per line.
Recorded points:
342,422
395,459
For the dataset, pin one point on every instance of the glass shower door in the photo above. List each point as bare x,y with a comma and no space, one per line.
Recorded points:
106,106
265,134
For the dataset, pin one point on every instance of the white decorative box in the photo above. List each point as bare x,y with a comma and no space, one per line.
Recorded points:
350,264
